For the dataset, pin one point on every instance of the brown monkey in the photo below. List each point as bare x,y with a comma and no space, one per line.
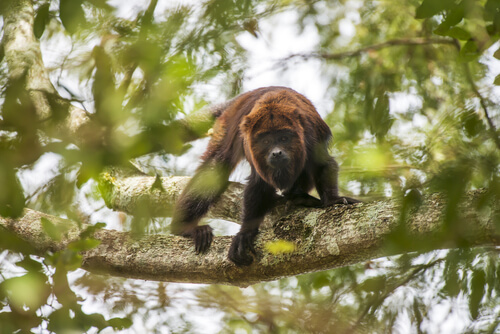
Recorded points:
285,141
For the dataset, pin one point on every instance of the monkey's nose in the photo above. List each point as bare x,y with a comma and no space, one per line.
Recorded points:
277,158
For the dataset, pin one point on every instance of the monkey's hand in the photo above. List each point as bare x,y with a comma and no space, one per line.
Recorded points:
343,200
202,237
303,199
241,246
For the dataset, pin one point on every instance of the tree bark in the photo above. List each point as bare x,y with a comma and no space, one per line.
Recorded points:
143,195
24,58
320,238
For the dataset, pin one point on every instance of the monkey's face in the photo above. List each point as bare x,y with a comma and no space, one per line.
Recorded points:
276,148
274,141
278,156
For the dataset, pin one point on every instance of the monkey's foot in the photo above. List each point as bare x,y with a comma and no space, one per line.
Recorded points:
241,246
202,237
344,200
306,200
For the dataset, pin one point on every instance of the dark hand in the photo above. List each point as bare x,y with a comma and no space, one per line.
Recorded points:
343,200
202,237
241,246
306,200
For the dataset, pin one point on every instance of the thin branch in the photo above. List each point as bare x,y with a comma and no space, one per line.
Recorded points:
492,129
374,47
408,42
373,305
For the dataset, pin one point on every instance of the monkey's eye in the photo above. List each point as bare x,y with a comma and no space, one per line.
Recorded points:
284,138
266,141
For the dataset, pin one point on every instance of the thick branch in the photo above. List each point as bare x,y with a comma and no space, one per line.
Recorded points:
322,238
136,194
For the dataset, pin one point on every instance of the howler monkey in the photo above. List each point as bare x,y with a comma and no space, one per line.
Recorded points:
285,141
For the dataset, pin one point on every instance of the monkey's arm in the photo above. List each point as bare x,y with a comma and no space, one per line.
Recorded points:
326,181
258,198
206,186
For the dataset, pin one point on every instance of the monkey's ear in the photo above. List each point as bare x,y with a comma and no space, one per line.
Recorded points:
245,124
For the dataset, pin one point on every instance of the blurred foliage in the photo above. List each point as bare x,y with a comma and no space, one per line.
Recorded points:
40,292
402,296
415,111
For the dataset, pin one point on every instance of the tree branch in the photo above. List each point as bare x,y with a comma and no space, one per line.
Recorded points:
378,299
374,47
135,194
322,238
492,129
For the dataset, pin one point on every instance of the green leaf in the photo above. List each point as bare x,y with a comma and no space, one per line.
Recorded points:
469,52
12,199
107,101
429,8
157,184
478,288
87,170
441,30
9,240
71,15
120,323
497,54
60,321
491,10
52,230
451,279
455,15
84,244
380,118
373,284
472,124
30,290
91,229
320,280
92,320
458,33
29,264
497,80
452,18
101,4
67,259
41,20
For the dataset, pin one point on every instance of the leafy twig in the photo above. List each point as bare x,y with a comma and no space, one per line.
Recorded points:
380,299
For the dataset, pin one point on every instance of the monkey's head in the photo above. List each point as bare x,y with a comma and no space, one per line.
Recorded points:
274,140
